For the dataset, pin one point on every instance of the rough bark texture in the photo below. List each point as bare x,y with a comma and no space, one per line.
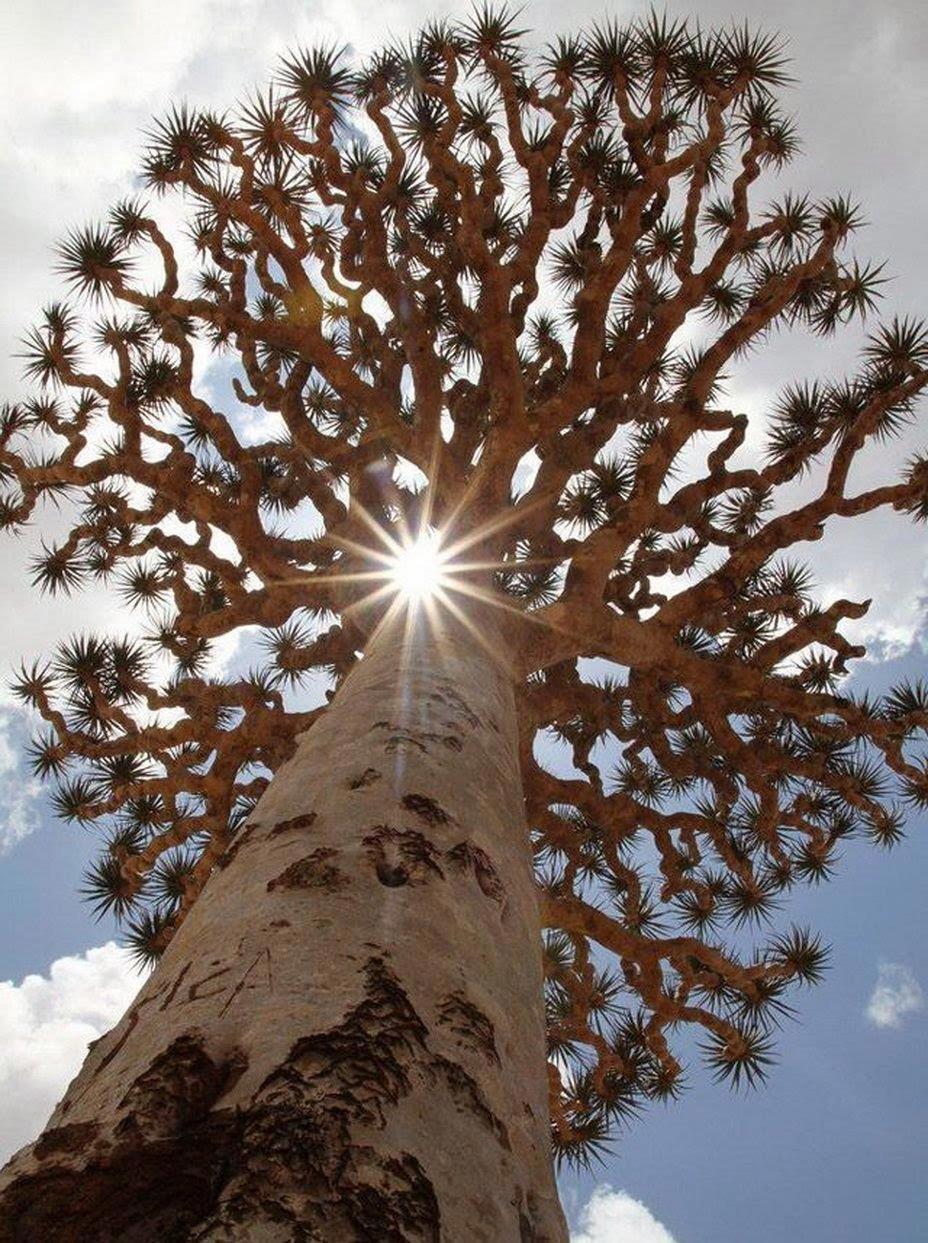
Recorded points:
345,1039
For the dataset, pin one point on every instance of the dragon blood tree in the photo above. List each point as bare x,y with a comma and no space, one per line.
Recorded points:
473,307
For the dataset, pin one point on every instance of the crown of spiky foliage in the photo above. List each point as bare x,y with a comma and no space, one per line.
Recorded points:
452,256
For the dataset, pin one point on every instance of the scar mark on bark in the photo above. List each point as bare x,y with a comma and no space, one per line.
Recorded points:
266,955
367,778
450,697
193,992
131,1020
238,841
469,857
426,808
468,1096
316,871
175,986
280,923
470,1024
403,741
304,821
401,856
421,740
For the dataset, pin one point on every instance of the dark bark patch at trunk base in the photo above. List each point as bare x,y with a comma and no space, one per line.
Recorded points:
175,1091
139,1193
153,1179
69,1138
314,872
285,1168
299,1177
299,1167
404,1207
294,1181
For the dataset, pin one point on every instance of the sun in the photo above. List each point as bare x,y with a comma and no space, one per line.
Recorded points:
418,569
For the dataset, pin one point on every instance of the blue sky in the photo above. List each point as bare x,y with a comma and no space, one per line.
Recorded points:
832,1148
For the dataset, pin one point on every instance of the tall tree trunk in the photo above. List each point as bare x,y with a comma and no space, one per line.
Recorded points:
345,1039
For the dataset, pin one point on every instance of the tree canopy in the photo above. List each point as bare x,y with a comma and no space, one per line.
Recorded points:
487,290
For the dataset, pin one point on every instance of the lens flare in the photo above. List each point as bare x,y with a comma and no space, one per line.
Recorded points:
418,571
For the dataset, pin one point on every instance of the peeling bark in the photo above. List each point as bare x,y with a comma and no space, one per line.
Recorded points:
342,1038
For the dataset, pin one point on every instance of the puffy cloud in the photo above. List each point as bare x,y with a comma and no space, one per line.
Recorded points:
46,1023
896,994
616,1217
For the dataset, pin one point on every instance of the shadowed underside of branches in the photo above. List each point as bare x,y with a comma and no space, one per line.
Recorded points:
414,272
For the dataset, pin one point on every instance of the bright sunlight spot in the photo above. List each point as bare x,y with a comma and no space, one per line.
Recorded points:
417,571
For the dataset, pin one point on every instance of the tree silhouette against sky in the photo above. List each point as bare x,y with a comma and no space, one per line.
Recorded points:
474,307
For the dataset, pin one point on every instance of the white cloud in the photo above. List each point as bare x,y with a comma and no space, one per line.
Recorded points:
7,754
616,1217
18,793
46,1023
896,994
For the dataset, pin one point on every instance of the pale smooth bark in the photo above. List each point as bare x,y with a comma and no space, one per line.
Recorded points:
345,1039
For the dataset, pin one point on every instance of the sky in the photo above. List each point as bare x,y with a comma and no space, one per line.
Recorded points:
832,1148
